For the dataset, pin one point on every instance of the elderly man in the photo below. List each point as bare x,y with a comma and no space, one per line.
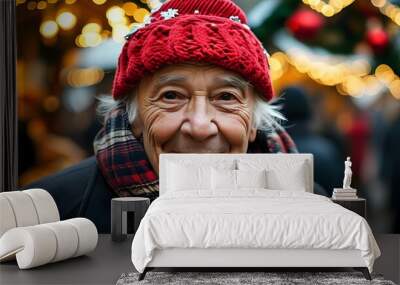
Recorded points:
192,79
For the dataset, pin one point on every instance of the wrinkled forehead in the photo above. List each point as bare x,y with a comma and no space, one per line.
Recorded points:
188,71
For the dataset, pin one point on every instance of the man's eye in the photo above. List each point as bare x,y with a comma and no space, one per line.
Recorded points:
170,95
225,96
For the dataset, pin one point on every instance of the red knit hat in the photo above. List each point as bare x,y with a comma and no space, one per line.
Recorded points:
210,31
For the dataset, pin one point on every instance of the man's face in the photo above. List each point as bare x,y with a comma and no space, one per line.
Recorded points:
190,108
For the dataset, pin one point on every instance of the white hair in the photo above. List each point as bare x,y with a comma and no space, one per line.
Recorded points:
107,105
266,117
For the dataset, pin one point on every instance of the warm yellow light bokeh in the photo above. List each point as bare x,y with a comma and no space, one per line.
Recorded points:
41,5
99,2
49,29
91,28
115,13
129,8
66,20
140,14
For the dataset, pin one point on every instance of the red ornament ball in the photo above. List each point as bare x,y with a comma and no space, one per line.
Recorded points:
304,24
378,39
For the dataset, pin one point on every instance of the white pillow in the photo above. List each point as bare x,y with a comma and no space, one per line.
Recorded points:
181,177
251,178
228,179
204,161
294,181
223,179
282,174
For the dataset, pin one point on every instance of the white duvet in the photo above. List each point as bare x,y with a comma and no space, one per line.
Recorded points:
253,218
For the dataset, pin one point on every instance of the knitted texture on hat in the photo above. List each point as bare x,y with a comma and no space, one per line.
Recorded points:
203,31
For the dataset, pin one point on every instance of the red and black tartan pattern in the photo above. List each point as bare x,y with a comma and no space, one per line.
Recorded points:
124,164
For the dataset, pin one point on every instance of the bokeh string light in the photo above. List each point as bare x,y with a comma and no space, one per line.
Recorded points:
66,20
90,36
388,9
350,77
330,8
84,77
121,19
49,29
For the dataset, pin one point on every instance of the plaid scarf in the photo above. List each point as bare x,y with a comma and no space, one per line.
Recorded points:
124,164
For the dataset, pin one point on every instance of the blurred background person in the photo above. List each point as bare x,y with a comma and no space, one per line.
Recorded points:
328,166
391,168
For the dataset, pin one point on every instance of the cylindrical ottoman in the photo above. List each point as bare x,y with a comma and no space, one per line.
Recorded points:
119,209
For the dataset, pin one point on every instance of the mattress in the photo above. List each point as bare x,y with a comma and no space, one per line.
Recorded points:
250,218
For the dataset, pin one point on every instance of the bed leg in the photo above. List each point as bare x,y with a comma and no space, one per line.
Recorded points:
142,275
364,271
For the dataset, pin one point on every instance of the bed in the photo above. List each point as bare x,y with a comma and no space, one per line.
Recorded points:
246,211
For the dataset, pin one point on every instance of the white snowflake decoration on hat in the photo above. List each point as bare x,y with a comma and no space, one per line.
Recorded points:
169,14
235,19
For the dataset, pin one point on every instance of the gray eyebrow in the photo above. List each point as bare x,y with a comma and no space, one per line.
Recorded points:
169,79
221,80
232,81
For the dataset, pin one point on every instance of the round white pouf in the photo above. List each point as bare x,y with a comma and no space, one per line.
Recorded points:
7,218
40,244
23,208
87,234
26,208
45,205
33,246
67,240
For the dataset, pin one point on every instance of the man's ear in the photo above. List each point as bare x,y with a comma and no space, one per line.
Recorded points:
253,134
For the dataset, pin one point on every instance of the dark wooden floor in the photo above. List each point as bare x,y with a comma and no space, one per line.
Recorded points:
389,262
106,264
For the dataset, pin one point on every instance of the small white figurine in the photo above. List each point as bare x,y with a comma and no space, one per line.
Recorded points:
347,174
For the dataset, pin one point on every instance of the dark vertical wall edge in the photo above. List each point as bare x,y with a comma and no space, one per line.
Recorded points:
8,97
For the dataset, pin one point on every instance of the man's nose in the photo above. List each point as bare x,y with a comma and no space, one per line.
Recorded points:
199,122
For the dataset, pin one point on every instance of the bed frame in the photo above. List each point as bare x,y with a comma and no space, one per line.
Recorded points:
244,259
